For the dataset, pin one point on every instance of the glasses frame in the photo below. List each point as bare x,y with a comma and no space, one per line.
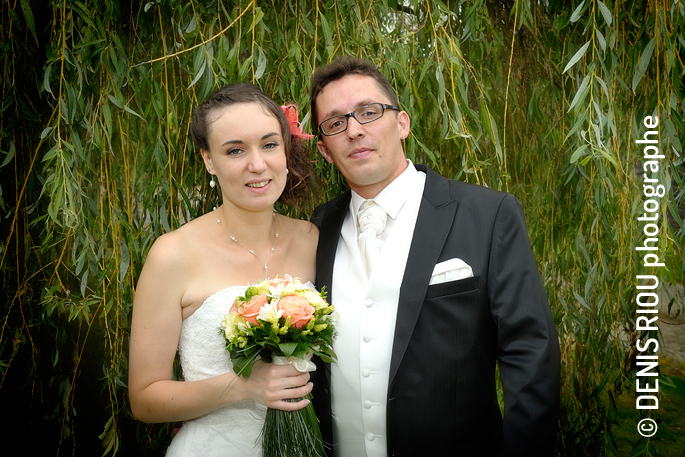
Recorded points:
347,117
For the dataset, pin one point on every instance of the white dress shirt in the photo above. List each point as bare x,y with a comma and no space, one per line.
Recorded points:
368,310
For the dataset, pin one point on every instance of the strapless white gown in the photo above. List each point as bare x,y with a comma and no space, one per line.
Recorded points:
232,431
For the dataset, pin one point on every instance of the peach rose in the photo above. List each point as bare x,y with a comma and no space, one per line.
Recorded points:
276,281
298,308
250,310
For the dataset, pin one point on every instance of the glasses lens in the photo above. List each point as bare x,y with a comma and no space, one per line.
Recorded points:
369,113
334,125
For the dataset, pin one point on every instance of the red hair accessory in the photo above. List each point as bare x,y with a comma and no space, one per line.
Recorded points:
291,115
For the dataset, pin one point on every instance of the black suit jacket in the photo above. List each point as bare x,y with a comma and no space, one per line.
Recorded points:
448,337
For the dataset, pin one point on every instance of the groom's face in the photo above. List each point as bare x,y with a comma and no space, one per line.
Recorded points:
370,156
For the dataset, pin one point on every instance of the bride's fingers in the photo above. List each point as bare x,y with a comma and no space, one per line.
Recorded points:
285,377
291,406
296,393
276,398
297,380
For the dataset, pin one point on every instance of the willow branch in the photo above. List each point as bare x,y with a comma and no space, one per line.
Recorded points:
197,45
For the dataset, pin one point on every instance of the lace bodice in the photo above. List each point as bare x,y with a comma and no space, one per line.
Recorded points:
203,352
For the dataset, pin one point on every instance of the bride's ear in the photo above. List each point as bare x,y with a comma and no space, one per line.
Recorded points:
207,159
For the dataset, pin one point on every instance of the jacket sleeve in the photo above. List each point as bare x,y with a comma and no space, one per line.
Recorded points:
527,343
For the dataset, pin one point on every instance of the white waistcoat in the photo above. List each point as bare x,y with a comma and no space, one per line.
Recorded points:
368,310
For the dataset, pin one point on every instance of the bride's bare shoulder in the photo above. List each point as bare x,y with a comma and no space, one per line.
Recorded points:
302,231
176,248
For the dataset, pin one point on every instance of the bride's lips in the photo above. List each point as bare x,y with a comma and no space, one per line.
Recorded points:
259,185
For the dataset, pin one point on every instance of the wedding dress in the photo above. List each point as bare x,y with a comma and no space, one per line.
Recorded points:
232,431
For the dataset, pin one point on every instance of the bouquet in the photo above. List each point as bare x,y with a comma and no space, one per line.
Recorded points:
282,321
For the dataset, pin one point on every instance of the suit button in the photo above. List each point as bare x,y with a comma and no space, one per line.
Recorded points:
367,338
367,404
368,304
370,436
366,373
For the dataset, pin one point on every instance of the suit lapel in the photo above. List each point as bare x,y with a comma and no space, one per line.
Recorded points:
435,218
330,225
329,218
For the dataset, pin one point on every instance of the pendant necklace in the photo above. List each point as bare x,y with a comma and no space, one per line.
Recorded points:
266,267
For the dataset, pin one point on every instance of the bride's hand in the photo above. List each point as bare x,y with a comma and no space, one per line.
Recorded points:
273,385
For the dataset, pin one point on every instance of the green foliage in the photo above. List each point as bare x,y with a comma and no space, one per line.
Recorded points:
671,422
542,99
292,433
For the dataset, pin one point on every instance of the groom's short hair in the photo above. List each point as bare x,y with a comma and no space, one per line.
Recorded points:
341,67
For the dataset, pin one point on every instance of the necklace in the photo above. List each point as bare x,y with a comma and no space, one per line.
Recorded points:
266,267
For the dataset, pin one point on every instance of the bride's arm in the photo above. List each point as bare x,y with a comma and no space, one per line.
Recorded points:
155,330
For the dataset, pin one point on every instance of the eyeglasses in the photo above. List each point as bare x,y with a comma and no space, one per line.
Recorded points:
364,115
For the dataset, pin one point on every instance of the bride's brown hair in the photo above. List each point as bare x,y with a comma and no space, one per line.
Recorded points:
296,151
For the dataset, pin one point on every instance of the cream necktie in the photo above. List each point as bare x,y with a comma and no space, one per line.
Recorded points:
371,219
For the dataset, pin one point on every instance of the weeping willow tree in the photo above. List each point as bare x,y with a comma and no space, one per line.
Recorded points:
542,99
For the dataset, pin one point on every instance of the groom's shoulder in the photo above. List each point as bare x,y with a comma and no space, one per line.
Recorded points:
461,190
478,191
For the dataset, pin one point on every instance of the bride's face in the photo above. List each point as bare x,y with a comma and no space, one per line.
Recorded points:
247,156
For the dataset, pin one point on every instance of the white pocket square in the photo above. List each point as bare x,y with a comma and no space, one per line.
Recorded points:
450,270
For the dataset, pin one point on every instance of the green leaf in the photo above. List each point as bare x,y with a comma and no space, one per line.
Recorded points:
242,364
671,133
441,84
328,36
191,26
129,110
326,359
244,68
28,17
116,102
577,124
198,75
578,153
52,152
326,354
9,156
124,261
84,282
581,300
602,41
643,62
46,131
428,152
577,56
261,63
46,80
604,86
604,153
605,12
582,90
495,138
576,13
287,348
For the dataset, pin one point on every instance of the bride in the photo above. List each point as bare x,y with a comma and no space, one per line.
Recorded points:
193,274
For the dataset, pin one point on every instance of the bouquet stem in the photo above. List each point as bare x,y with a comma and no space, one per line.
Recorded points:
292,433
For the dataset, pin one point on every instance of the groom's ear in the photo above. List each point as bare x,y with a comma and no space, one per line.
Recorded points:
404,123
324,151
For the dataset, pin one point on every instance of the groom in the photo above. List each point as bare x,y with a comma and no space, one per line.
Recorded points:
436,285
